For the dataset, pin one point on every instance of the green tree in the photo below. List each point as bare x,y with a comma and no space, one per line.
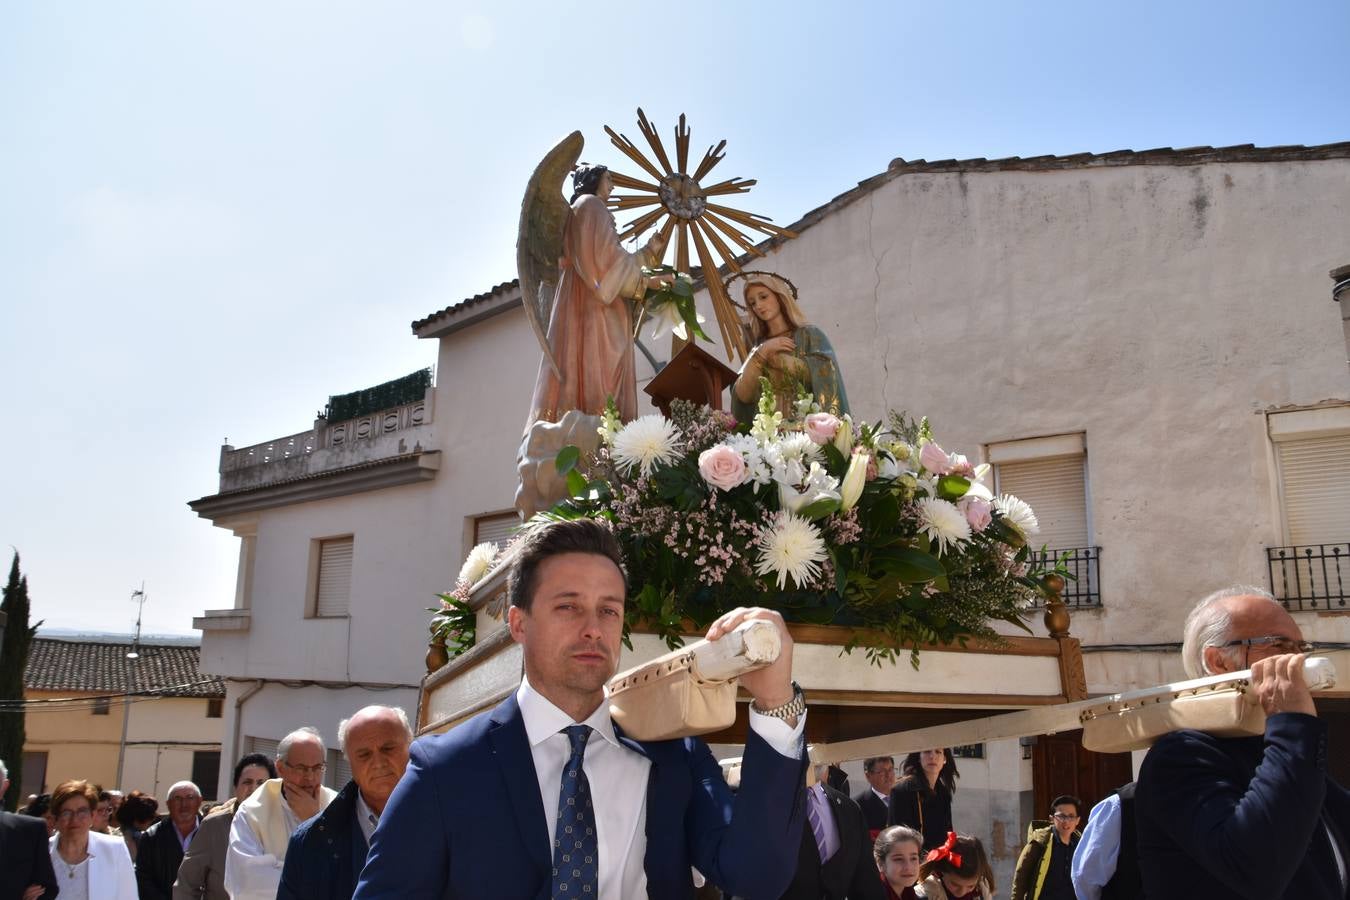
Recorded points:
13,661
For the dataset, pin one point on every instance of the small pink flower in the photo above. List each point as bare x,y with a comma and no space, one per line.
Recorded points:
872,469
722,467
935,459
979,512
821,427
960,465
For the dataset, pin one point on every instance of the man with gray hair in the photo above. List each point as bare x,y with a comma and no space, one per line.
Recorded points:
160,849
1246,816
264,823
327,853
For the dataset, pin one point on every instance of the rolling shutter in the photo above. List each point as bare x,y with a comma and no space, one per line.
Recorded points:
1315,475
334,590
498,529
1056,488
339,771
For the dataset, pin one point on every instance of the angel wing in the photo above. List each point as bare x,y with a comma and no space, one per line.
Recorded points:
539,243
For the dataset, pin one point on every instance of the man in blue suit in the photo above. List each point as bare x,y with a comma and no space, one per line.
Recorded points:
544,797
326,853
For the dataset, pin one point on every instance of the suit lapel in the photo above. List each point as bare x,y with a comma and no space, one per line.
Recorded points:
511,746
660,796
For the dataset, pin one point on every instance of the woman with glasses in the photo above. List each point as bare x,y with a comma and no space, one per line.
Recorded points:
1043,868
89,865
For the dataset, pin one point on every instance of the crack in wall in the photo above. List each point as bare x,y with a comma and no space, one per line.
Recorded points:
876,298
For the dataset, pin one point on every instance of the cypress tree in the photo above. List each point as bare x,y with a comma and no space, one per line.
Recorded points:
13,661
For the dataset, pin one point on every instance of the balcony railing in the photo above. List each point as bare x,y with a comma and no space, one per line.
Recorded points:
1083,591
1312,576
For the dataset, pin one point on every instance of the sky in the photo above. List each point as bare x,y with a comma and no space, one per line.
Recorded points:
215,215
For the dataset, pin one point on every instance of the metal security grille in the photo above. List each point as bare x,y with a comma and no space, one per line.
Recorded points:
1313,572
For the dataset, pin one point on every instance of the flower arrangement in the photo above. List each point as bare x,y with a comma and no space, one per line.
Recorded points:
455,624
827,520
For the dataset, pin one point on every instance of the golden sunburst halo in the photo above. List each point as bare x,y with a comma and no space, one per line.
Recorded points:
685,211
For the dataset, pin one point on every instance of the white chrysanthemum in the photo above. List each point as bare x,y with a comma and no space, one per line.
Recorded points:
790,548
798,445
1017,513
646,441
478,563
943,522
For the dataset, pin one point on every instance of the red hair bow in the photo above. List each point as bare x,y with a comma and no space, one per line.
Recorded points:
946,851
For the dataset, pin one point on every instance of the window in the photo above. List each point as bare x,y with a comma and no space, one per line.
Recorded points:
497,528
102,706
206,772
215,707
331,577
339,770
1050,473
33,779
1312,462
266,746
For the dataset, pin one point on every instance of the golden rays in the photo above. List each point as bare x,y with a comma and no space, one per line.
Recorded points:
690,218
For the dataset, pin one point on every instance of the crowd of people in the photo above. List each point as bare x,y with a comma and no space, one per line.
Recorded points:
545,796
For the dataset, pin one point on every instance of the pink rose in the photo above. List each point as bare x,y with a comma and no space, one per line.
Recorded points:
821,427
722,467
960,466
935,459
979,512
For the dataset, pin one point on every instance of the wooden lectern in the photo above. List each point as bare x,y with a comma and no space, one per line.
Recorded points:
694,374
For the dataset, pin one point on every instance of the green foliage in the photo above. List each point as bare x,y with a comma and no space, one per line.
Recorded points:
455,622
408,389
13,660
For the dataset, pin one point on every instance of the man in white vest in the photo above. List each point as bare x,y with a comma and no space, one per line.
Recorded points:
264,822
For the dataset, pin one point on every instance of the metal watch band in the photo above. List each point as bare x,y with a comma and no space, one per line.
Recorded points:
794,707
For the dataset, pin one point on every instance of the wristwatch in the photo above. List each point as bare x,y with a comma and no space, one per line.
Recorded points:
789,710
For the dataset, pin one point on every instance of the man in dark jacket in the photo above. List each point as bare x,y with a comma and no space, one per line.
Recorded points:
1248,817
160,850
25,860
326,854
835,860
875,801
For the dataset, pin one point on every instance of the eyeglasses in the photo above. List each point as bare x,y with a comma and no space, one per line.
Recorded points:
66,815
305,770
1063,817
1276,642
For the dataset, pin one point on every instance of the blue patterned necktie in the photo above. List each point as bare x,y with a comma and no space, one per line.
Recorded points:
576,853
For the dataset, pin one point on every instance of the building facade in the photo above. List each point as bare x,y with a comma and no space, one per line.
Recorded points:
143,723
1144,345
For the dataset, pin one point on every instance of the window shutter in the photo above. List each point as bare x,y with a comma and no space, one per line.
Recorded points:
333,593
498,529
265,746
339,770
1057,491
1315,474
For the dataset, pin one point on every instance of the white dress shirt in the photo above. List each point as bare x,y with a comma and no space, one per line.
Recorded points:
365,817
618,781
884,798
251,873
1094,859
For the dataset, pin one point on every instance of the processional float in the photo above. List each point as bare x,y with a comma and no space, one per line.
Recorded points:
981,687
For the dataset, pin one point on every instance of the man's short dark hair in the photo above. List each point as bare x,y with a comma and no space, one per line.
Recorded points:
253,759
873,760
555,539
1068,800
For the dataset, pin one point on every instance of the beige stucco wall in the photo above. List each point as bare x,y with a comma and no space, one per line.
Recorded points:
162,734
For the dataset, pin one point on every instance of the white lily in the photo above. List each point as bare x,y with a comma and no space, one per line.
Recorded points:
854,479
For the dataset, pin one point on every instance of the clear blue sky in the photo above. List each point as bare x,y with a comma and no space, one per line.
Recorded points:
214,215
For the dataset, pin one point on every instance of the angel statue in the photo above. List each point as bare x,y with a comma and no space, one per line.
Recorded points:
795,356
588,347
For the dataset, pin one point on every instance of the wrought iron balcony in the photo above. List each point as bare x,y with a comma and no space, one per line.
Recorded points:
1083,591
1311,576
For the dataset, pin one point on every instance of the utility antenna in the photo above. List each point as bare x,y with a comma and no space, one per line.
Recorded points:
139,598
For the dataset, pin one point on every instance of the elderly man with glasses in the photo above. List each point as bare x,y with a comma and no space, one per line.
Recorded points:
263,824
1244,817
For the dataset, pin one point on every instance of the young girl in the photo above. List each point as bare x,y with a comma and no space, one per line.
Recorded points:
958,870
898,851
